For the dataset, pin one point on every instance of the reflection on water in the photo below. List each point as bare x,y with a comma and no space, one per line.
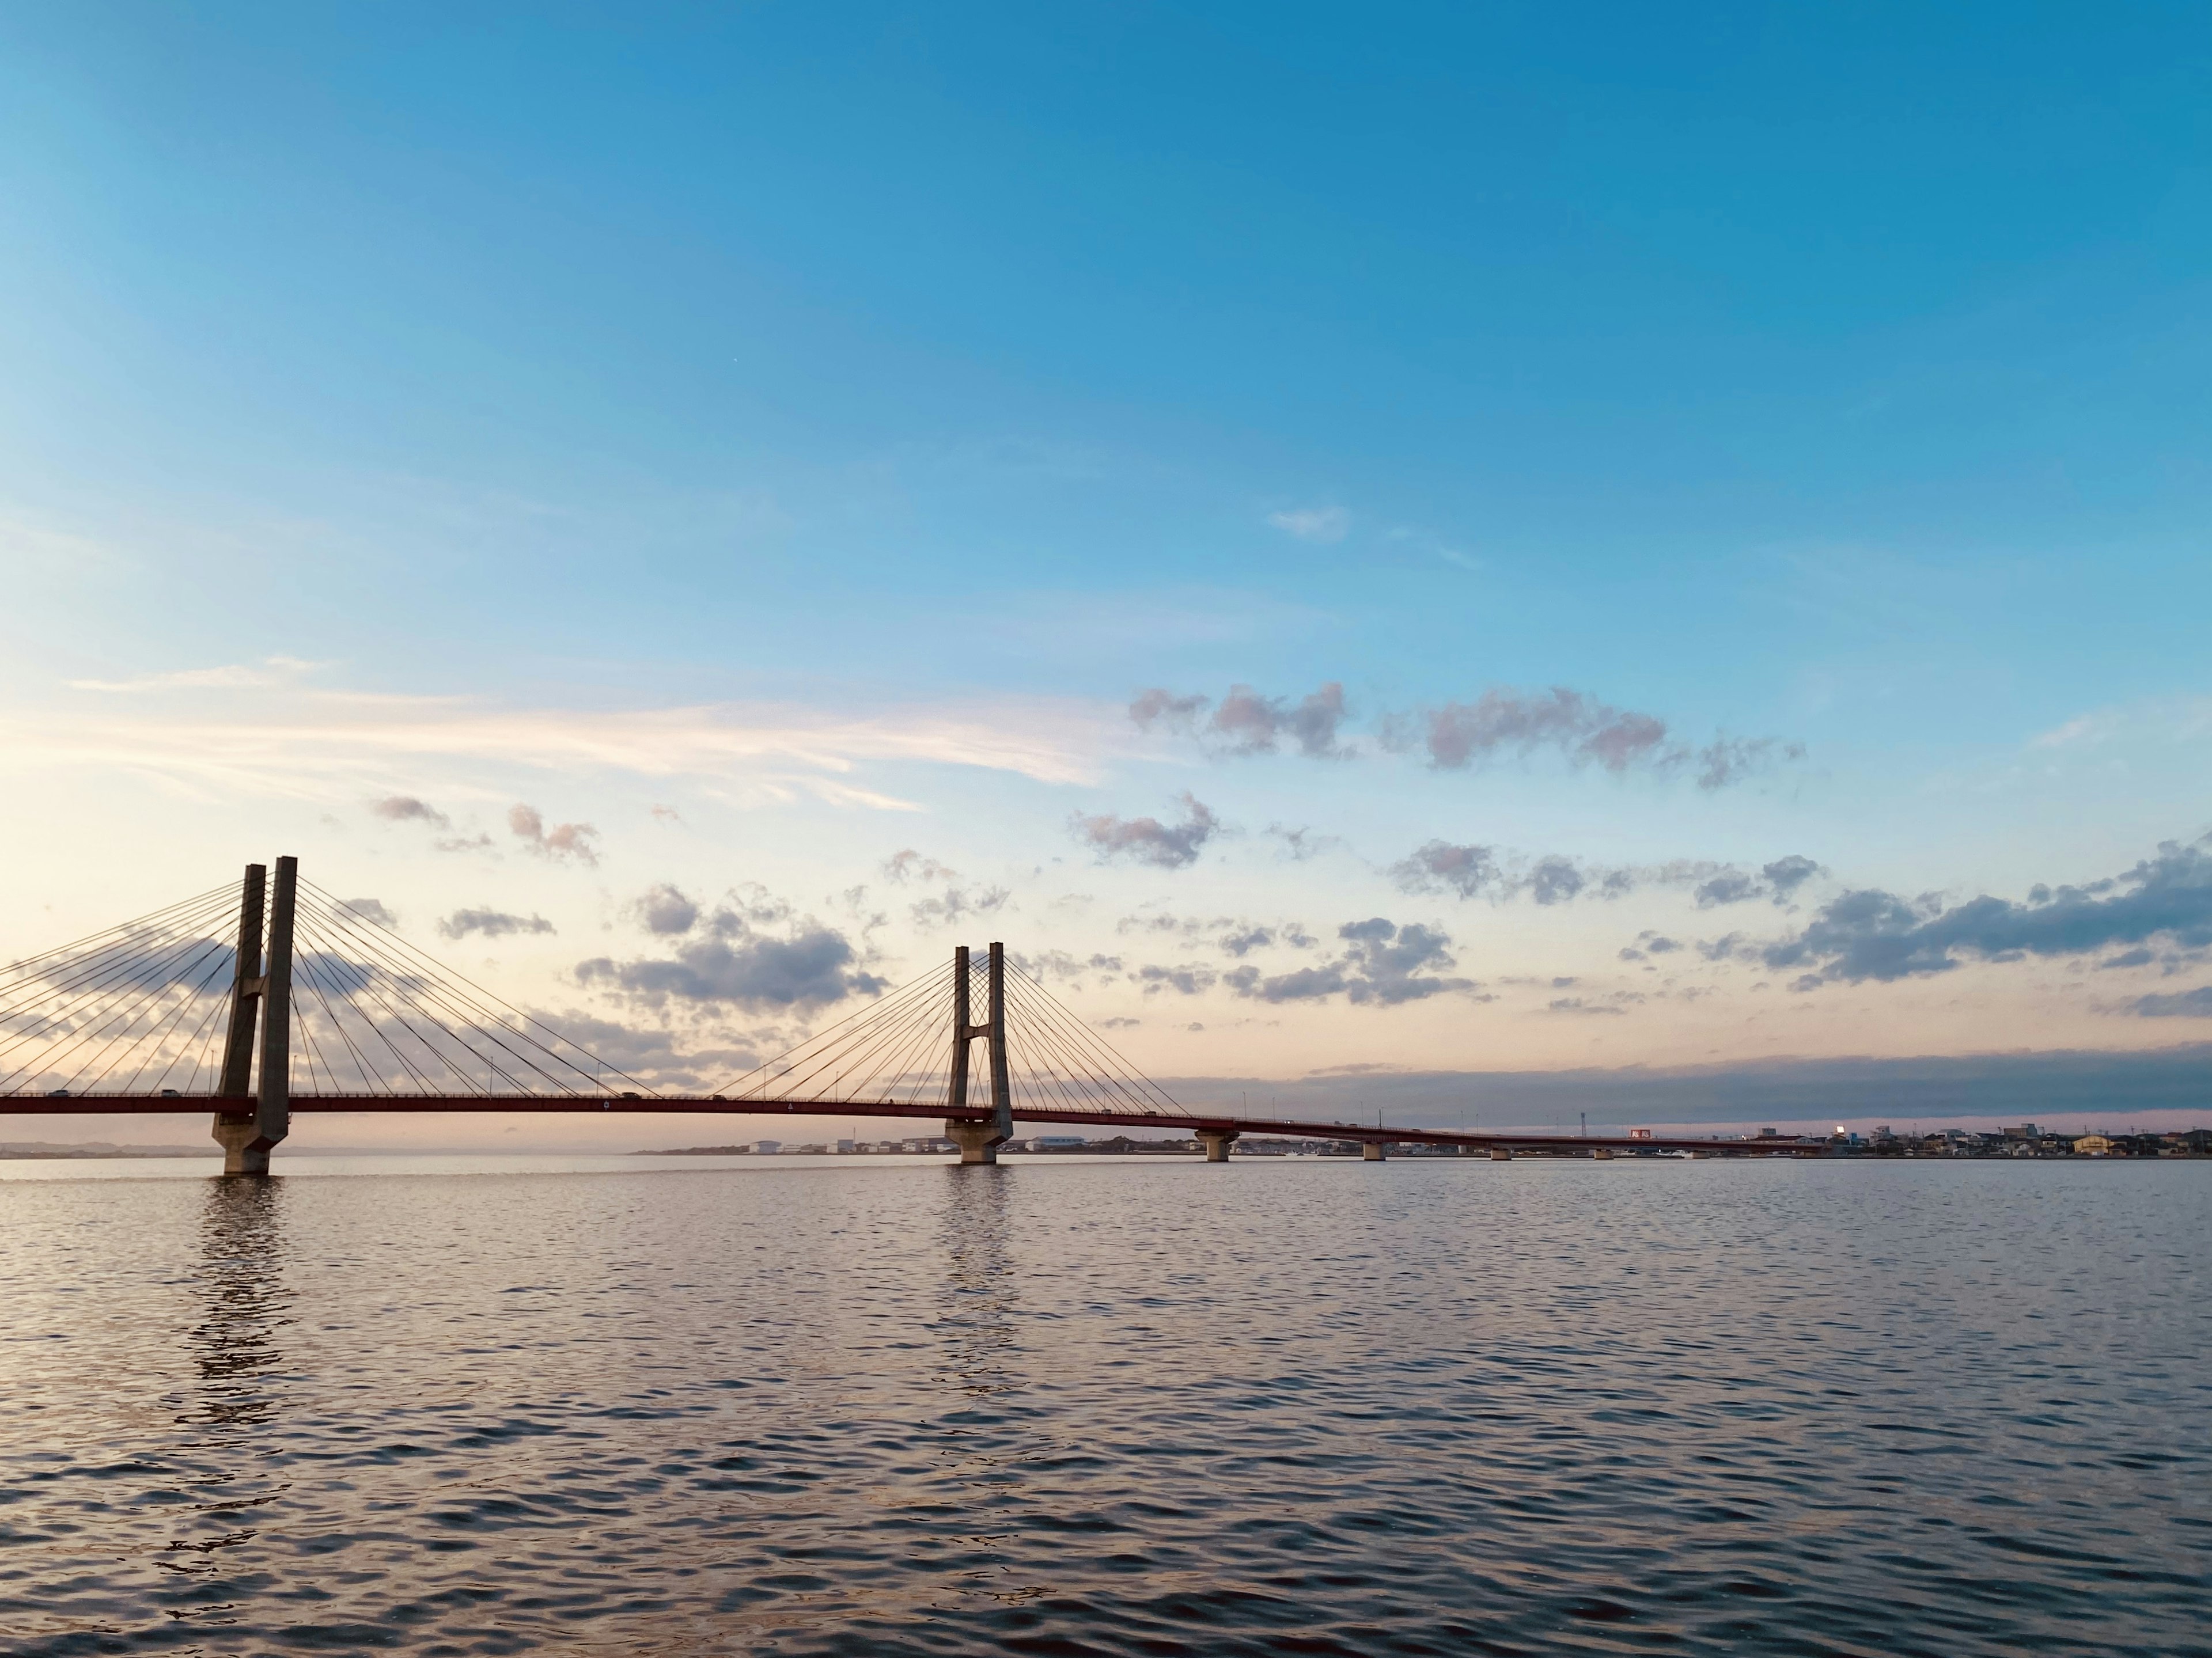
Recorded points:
225,1459
981,1280
244,1301
1328,1407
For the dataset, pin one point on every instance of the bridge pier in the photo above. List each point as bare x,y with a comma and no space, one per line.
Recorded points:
1375,1151
979,1142
1217,1142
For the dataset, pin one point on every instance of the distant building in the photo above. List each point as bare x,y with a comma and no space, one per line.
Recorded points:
767,1148
2093,1145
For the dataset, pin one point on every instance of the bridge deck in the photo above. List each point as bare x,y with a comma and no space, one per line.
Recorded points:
710,1105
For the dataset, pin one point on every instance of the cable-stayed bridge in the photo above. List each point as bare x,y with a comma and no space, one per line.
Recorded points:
271,996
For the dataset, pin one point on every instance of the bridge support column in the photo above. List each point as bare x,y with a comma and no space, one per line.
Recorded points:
1375,1151
266,990
979,1142
1217,1142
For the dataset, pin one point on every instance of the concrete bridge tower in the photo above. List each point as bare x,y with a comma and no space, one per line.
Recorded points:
979,1142
266,989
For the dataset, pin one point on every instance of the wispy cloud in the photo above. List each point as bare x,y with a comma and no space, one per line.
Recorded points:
318,744
1470,871
1323,525
2170,720
1459,736
233,676
1585,730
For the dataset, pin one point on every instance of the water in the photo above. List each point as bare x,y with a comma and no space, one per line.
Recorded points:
1141,1408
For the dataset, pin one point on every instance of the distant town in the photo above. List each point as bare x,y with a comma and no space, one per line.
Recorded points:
2025,1140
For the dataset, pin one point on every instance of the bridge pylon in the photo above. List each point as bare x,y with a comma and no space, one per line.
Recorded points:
263,988
979,1142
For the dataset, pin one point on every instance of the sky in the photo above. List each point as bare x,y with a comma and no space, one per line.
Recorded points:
1627,549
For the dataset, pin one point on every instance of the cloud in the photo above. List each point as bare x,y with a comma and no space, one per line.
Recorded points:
1184,980
958,904
2046,1086
1157,706
1584,729
655,1056
1148,840
1873,934
1470,871
2188,1005
1442,866
1728,760
1060,964
270,672
1555,881
1382,963
1247,723
1458,734
491,923
731,957
1323,525
910,866
1730,886
291,739
1301,844
665,909
371,909
563,840
406,809
1785,875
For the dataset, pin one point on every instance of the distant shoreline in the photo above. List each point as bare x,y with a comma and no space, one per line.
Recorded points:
48,1150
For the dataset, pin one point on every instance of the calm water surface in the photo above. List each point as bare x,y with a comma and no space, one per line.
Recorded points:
1075,1407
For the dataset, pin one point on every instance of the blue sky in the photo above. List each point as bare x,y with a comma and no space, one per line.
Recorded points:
822,422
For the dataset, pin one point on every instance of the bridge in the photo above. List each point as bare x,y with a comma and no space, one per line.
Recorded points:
257,1000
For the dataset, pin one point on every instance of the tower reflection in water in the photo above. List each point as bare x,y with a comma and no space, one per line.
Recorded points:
977,1319
244,1303
234,1467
